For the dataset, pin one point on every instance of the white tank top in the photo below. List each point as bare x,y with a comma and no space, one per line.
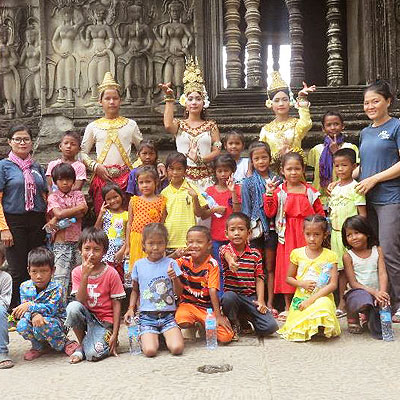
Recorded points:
366,269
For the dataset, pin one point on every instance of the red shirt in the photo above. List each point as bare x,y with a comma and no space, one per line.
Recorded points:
223,199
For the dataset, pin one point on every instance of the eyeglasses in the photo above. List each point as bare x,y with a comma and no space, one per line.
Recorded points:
20,140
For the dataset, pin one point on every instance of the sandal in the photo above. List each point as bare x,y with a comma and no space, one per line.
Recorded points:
33,354
274,312
282,316
70,347
77,356
354,326
340,313
6,364
396,317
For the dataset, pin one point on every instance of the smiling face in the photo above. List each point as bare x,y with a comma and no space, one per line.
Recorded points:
376,106
194,102
281,104
260,160
21,144
176,173
113,200
40,275
199,244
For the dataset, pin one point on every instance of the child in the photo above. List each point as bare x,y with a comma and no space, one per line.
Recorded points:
154,279
184,202
234,144
227,195
147,153
263,233
70,147
320,157
244,278
198,285
365,269
5,300
95,316
41,313
291,202
144,209
113,219
65,203
344,202
313,309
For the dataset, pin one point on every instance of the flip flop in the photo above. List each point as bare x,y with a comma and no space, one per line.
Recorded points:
396,317
274,312
70,347
6,364
33,354
282,316
340,313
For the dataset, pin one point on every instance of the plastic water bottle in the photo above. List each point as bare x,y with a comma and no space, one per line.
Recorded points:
386,323
127,274
323,277
133,336
211,330
61,224
211,202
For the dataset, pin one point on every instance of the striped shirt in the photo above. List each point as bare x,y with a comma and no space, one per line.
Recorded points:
243,281
198,280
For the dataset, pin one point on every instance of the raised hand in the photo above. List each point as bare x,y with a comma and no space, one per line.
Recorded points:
306,90
334,147
166,88
272,184
230,183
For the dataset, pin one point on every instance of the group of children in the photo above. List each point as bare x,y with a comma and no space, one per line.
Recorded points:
262,226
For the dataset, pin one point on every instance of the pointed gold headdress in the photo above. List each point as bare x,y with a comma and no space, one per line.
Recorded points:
108,83
277,83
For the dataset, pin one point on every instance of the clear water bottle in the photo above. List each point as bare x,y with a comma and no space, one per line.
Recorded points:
127,274
61,224
133,336
323,277
211,202
386,323
211,330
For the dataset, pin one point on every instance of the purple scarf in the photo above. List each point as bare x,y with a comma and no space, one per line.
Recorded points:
30,185
326,160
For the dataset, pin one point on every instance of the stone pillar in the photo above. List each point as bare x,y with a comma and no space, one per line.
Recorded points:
234,67
253,35
276,50
335,60
296,41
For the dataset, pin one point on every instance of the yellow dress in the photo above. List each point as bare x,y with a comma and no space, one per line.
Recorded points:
302,325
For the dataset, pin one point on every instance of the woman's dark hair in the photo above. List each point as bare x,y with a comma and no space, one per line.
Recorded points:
224,160
200,228
96,235
40,256
155,228
148,170
332,114
317,219
18,128
381,87
259,145
175,157
273,93
348,153
236,134
359,224
74,134
149,144
63,171
238,215
111,186
292,155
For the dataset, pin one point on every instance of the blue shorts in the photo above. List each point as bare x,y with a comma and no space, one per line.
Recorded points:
156,322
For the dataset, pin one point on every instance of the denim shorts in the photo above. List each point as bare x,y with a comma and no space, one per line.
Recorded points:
156,322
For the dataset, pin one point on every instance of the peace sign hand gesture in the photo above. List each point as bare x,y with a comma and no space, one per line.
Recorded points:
334,147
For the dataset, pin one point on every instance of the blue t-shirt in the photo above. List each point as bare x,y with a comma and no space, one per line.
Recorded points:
379,150
12,184
155,286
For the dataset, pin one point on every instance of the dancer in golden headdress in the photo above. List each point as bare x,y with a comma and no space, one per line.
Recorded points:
196,137
285,133
113,136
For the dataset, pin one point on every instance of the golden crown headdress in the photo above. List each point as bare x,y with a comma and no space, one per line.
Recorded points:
277,84
108,83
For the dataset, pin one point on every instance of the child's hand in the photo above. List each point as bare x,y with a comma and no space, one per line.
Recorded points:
304,304
330,187
261,306
218,210
191,191
223,321
52,225
231,260
129,315
38,320
230,183
120,255
103,208
20,310
308,285
113,344
333,147
171,273
382,297
87,267
272,184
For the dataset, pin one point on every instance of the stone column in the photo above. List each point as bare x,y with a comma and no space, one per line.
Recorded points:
276,50
296,42
253,35
335,60
234,67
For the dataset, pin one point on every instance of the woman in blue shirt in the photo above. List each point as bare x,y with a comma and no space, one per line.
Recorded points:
23,192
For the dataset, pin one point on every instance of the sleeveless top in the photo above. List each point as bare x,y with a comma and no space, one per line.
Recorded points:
366,269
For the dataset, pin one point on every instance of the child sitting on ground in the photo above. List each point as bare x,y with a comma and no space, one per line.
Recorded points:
244,278
41,313
5,300
199,284
154,279
95,316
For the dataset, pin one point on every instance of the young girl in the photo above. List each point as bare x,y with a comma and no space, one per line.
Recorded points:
149,207
148,154
154,281
313,309
264,235
291,202
70,146
234,145
113,219
227,195
365,269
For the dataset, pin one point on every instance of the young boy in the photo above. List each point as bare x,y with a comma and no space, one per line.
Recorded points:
344,202
95,316
184,202
199,284
65,203
70,146
41,313
244,278
5,300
